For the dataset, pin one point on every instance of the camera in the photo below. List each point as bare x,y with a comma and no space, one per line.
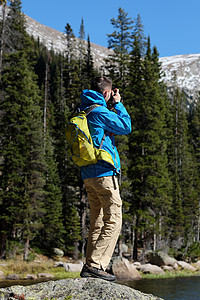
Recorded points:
110,102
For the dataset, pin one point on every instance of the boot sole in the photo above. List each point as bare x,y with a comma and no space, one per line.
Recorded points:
86,274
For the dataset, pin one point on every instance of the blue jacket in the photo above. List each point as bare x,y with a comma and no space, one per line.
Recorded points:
102,120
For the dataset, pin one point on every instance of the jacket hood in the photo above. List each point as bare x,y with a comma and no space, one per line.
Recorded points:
90,97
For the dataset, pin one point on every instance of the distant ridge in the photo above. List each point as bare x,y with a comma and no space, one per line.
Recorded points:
186,67
54,38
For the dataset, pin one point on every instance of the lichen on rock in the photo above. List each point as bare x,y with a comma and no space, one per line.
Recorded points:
74,289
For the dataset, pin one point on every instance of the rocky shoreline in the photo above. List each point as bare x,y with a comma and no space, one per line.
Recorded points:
158,263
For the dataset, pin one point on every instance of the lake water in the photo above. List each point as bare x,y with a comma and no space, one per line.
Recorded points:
186,288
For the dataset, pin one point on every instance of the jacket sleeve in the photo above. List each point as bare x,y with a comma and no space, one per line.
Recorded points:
118,122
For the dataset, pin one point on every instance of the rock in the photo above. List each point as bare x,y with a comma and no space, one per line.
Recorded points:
152,269
175,266
197,265
45,275
160,259
58,264
186,266
167,268
12,277
137,264
76,289
124,248
1,273
122,269
58,252
70,267
31,277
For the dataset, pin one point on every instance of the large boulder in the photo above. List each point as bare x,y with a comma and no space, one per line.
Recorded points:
197,265
58,252
74,289
168,268
186,266
160,259
151,269
45,275
12,277
123,269
71,267
31,277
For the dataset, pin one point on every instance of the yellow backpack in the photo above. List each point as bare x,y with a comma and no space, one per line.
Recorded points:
80,146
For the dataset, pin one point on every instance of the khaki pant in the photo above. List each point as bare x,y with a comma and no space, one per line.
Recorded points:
105,219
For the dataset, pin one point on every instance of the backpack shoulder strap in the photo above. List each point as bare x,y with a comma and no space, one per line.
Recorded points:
89,109
103,139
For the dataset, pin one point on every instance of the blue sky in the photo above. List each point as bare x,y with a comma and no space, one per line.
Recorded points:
173,25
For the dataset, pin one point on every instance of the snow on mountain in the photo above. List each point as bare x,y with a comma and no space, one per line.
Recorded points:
186,67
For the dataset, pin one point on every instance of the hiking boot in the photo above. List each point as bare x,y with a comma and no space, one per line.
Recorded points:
96,273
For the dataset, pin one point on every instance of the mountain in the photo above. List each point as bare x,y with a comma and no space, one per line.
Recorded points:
186,67
56,40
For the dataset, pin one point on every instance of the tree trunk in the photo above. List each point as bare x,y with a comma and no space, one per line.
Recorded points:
45,100
154,242
2,37
198,225
3,240
120,247
75,252
135,245
26,249
83,214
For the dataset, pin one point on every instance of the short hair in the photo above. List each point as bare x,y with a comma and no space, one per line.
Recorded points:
101,83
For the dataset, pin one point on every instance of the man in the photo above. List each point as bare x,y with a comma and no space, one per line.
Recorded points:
101,179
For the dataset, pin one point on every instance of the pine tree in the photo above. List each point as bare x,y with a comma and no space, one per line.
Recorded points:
22,144
117,66
52,230
68,176
195,142
148,169
70,41
182,167
73,229
134,95
138,35
67,63
70,70
120,41
88,70
2,34
81,52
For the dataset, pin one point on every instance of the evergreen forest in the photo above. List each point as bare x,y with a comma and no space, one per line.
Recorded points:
43,203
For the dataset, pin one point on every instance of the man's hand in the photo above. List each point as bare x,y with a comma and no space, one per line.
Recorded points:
116,96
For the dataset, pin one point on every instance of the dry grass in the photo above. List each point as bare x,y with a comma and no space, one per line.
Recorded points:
23,268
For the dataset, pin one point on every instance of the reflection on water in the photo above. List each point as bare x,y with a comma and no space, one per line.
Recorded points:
186,288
